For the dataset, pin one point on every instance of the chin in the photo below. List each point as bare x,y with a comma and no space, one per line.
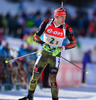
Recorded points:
61,23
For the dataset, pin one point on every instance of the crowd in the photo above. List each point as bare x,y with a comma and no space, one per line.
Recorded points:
17,71
23,26
19,25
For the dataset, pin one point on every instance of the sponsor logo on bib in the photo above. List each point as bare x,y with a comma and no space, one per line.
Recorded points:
55,33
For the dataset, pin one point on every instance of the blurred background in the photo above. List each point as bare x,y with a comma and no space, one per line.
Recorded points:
19,19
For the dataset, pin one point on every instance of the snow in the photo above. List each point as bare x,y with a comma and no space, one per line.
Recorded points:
68,93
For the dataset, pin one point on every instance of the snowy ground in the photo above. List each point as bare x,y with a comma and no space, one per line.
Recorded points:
81,93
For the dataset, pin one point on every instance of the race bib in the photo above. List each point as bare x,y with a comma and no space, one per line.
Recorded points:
52,40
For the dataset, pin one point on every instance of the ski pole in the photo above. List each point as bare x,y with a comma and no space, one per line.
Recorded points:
73,64
21,56
62,1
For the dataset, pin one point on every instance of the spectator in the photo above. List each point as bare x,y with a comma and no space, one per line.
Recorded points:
3,75
21,52
20,20
48,13
14,25
0,43
5,25
13,72
26,30
8,23
91,29
28,50
30,23
38,20
22,76
4,51
86,60
22,61
94,14
30,37
1,38
20,23
1,19
24,15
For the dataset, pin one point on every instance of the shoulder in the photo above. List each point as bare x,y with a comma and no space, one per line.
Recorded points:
46,21
68,27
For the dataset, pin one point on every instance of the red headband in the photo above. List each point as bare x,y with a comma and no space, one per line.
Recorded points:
59,11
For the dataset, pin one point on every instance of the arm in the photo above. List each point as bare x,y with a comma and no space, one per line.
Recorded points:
37,39
71,38
40,31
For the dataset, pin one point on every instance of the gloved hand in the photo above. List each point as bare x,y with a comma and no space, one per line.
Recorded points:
56,51
46,47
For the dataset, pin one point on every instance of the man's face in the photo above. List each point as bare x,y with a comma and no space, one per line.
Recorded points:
61,19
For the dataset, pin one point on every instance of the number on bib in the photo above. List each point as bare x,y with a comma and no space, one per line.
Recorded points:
52,40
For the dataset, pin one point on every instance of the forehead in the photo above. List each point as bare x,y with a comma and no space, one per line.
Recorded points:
62,16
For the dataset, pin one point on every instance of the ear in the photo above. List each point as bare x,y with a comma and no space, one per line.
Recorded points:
56,17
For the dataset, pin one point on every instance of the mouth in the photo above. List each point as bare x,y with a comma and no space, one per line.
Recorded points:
62,22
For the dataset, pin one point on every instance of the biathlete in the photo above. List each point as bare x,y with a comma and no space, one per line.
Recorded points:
54,32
